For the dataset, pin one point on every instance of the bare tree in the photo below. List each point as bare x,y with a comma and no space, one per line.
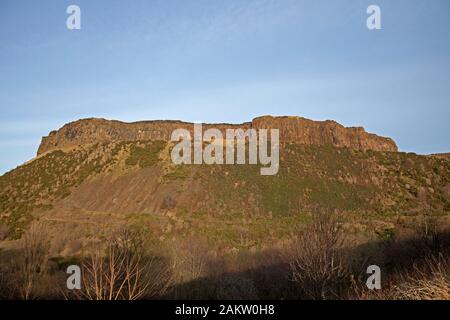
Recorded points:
31,263
124,272
317,263
189,264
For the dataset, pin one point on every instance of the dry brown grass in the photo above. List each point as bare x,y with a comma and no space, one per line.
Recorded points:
3,231
320,265
428,281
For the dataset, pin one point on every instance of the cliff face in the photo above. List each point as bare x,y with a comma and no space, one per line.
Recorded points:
292,129
305,131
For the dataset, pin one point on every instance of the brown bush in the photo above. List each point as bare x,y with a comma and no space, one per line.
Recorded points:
317,261
29,268
124,271
190,260
4,230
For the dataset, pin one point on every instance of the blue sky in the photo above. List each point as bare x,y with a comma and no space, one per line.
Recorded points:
225,61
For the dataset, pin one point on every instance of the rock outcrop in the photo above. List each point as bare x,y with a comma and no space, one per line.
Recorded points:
292,129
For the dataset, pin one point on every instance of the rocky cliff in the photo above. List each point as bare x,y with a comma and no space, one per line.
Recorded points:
292,129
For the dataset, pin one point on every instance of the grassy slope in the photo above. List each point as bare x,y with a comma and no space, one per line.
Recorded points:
235,204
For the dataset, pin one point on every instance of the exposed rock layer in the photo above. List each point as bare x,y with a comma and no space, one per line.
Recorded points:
292,129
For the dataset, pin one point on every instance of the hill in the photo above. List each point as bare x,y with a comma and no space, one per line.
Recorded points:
106,196
98,172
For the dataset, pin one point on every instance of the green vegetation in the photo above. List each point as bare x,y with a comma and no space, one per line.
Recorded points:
177,172
36,185
238,231
373,184
145,154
